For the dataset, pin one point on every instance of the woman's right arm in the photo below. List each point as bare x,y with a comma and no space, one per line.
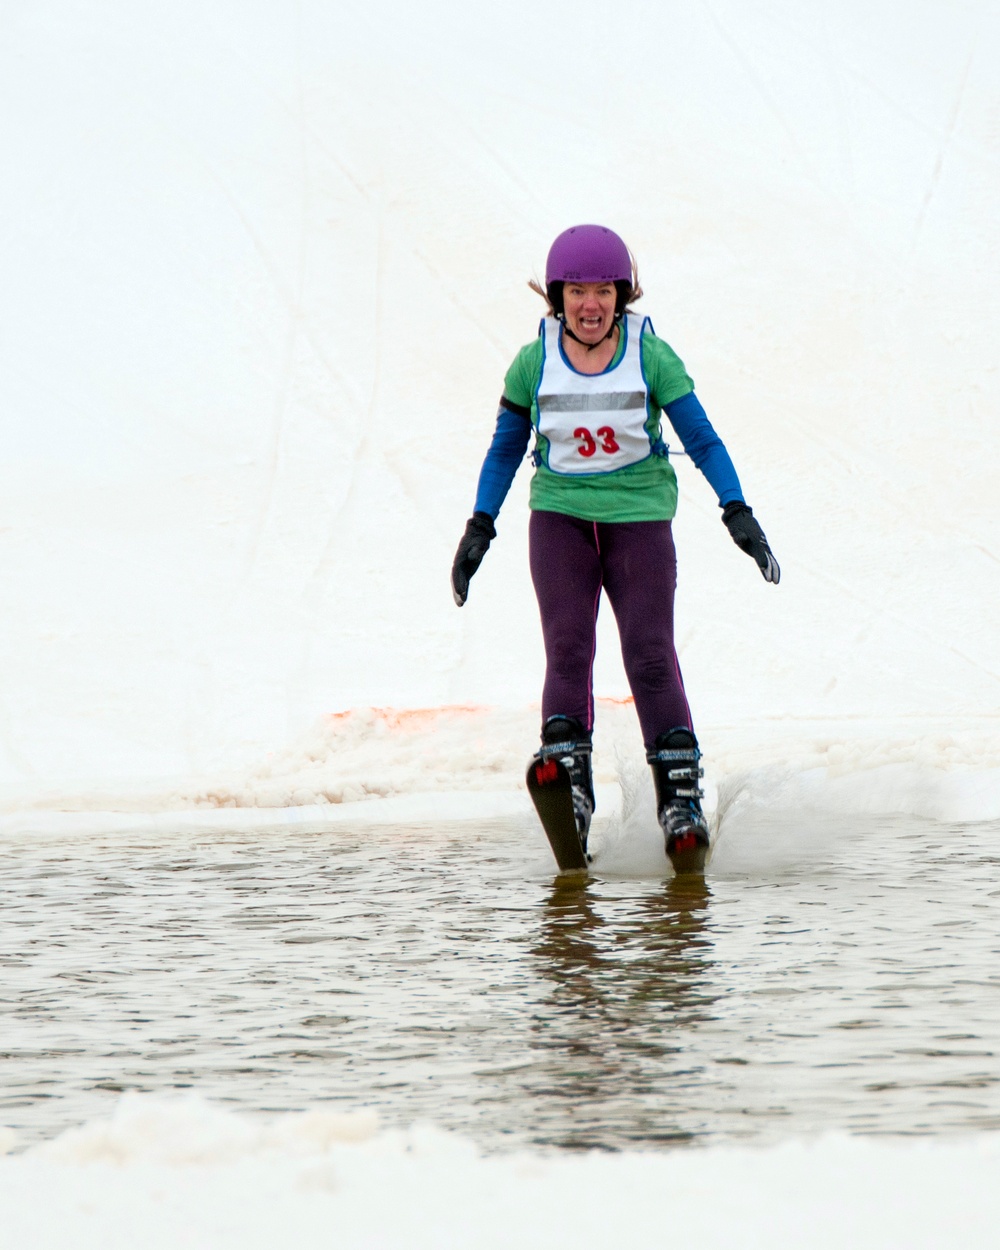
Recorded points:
510,442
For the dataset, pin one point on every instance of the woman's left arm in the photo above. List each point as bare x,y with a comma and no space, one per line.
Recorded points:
709,454
703,445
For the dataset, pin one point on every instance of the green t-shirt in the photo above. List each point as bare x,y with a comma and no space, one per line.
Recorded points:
646,491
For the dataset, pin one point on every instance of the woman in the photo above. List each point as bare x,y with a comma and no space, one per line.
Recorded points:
591,388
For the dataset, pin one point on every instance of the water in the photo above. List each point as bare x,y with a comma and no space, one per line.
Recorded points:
444,975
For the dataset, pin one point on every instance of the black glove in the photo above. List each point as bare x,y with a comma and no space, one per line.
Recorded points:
479,532
749,537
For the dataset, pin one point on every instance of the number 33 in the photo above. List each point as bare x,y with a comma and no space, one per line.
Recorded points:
588,444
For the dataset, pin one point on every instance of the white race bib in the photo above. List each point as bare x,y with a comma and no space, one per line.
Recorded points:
594,422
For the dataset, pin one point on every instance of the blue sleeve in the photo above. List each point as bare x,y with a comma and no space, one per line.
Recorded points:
510,442
705,447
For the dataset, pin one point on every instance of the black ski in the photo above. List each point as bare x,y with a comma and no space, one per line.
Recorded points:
552,794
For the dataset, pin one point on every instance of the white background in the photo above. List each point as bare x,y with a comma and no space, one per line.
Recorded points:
263,267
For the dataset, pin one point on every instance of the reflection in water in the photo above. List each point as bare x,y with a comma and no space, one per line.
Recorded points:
627,975
430,975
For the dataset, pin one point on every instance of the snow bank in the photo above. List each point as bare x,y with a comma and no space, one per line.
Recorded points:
384,765
379,753
773,804
371,753
937,776
148,1129
164,1174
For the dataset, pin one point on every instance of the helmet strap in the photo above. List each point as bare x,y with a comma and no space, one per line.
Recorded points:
589,346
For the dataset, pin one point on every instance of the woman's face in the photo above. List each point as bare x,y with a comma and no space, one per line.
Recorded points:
589,308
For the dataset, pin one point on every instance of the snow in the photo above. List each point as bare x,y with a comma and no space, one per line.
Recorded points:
263,269
184,1173
263,274
459,762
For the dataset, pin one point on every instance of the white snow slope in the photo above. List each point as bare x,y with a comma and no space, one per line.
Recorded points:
264,268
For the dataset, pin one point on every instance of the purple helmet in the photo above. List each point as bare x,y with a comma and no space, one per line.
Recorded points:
588,254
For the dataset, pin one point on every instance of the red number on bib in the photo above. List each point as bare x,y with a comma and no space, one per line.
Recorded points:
587,445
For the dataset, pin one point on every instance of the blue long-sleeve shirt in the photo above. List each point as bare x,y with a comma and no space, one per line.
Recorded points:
507,450
703,445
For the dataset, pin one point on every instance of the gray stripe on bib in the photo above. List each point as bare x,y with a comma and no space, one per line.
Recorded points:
610,401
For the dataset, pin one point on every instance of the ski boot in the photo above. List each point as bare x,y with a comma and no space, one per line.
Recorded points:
566,740
674,760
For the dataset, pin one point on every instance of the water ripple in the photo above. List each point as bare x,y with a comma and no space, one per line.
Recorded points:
428,974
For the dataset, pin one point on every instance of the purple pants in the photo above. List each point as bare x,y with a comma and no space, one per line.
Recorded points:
635,563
